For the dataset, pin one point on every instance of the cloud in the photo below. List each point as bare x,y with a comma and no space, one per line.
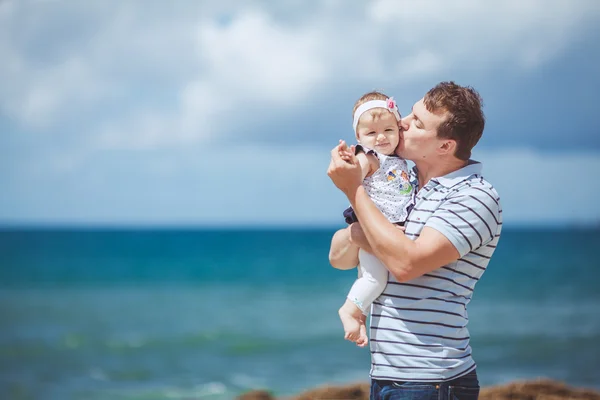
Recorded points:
134,76
255,58
475,34
134,108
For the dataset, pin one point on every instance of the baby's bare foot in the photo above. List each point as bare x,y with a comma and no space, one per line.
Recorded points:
363,339
350,315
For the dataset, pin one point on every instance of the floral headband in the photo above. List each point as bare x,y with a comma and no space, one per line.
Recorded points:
389,104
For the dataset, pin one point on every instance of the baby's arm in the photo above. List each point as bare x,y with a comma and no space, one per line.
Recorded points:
368,163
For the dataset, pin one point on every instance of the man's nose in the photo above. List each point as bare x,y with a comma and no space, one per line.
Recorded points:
404,123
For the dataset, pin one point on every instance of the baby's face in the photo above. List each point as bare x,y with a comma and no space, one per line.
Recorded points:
380,133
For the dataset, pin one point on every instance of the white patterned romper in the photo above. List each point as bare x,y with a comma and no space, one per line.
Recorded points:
390,189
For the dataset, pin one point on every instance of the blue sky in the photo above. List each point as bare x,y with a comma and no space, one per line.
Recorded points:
223,113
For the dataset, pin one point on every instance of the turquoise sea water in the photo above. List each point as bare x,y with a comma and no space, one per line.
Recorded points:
208,314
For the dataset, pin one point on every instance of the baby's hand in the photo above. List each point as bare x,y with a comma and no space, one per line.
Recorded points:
346,153
346,156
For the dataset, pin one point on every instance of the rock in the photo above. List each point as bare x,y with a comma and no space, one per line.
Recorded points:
256,395
541,389
358,391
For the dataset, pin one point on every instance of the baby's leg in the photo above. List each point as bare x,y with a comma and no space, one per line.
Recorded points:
371,283
366,288
363,339
351,317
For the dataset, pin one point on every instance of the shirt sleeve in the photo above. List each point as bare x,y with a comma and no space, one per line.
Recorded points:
469,220
359,148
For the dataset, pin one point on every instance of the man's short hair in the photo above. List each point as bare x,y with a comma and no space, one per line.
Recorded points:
465,121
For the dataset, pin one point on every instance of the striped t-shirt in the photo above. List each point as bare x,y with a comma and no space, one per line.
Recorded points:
419,328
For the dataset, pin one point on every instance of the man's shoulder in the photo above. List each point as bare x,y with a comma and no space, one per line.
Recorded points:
469,215
476,186
476,193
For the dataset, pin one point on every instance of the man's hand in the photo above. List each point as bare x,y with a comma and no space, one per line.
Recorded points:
358,237
345,173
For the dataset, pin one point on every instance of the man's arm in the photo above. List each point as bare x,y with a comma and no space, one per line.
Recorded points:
404,258
343,254
448,235
465,222
368,164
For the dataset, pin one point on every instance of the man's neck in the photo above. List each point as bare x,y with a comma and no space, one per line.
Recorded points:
426,171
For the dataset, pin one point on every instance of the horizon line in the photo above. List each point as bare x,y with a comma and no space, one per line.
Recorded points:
40,225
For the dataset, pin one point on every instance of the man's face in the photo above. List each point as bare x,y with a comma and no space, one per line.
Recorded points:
419,139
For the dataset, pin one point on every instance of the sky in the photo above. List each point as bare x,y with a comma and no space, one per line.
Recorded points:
204,113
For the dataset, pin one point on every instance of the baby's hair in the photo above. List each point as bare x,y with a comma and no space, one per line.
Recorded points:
374,95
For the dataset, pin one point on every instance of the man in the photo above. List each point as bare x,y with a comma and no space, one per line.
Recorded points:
419,339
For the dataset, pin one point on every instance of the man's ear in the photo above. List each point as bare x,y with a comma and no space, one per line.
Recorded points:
447,147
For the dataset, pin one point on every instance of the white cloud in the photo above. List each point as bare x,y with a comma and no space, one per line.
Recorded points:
111,64
124,99
256,58
251,63
57,90
475,34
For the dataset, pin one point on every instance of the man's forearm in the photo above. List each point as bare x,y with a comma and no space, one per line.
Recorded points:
343,254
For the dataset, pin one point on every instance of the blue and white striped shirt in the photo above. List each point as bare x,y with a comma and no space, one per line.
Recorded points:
419,328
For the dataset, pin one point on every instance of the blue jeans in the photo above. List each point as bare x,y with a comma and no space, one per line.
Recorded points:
464,388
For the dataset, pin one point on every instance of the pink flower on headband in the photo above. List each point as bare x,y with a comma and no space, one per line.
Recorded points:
391,103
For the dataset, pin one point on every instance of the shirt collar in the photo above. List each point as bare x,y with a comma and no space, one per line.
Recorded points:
472,168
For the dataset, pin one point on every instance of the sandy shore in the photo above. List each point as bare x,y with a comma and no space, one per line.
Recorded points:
542,389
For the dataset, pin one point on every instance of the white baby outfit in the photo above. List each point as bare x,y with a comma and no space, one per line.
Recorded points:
390,189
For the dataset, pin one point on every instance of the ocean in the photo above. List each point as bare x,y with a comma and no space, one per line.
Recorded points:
209,314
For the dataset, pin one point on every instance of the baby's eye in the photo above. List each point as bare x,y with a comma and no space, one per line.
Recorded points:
371,133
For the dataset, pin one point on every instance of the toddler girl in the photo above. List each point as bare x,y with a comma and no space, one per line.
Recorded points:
386,181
